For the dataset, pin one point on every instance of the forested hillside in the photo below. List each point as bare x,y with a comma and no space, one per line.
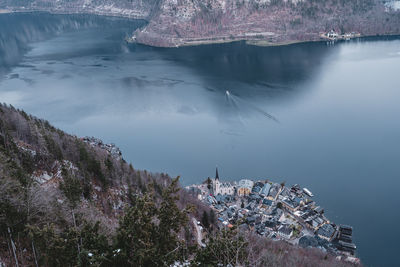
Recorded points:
62,199
138,9
187,22
67,201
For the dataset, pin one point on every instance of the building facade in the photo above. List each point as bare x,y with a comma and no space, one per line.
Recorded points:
222,188
244,187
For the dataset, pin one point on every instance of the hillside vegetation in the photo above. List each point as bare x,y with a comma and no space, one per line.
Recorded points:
66,202
187,22
138,9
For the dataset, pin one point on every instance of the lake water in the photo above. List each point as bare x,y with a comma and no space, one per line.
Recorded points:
337,111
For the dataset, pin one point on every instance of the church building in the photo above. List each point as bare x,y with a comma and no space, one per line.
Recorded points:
219,188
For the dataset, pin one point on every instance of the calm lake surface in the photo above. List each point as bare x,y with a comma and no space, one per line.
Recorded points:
337,128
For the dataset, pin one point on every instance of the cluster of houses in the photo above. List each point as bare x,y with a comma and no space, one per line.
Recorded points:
276,211
333,35
114,151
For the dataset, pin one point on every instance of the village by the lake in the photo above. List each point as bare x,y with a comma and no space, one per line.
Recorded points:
277,211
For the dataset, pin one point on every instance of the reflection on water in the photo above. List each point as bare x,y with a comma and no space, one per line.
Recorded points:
167,109
85,54
236,65
18,31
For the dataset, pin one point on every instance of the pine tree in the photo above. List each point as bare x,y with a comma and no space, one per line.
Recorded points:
204,220
209,183
135,235
172,220
212,217
71,187
225,248
55,249
148,234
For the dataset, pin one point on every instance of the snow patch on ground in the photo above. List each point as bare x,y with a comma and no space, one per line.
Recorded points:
42,177
393,5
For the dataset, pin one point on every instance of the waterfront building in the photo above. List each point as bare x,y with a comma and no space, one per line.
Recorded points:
274,191
327,232
244,187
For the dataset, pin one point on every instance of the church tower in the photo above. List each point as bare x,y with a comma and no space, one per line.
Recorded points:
216,183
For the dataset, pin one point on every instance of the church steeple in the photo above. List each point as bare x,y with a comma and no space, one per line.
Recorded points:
216,173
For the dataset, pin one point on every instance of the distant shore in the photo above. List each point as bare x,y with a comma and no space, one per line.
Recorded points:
250,39
176,43
76,12
256,39
5,11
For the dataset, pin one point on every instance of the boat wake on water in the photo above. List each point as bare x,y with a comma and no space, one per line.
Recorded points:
232,99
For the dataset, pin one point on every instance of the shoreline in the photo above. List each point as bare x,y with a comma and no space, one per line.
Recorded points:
5,11
275,211
258,42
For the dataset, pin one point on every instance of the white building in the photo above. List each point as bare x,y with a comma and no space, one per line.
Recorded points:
220,188
285,231
332,34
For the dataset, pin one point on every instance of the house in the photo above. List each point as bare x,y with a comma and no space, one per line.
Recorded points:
332,34
220,199
211,200
345,233
327,232
256,189
285,231
251,206
285,192
315,223
299,201
346,238
244,187
319,210
345,229
271,224
267,202
290,204
265,190
274,191
255,197
296,189
348,247
277,213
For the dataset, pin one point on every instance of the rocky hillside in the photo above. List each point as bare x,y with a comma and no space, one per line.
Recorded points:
138,9
51,181
190,22
69,201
